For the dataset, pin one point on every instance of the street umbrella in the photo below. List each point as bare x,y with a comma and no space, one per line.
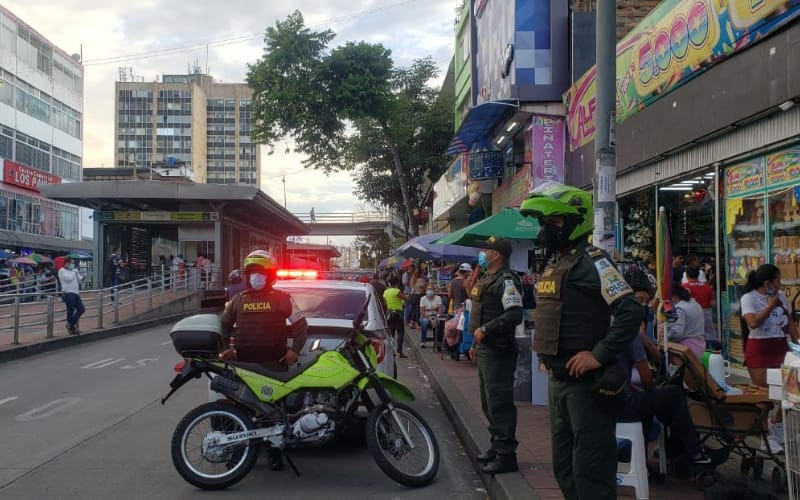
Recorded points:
664,270
5,255
391,261
509,224
39,258
406,264
24,261
423,247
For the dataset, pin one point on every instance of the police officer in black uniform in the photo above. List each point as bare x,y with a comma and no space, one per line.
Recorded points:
577,295
254,323
496,312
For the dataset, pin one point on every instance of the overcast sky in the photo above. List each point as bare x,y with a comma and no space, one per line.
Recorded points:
110,28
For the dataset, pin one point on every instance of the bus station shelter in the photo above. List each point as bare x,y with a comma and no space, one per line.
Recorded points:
149,220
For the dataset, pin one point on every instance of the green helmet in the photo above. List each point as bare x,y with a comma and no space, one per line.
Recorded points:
554,198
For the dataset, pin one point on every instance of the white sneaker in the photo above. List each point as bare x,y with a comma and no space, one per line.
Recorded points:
774,446
776,431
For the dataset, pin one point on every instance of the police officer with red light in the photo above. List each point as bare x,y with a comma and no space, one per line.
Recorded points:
258,322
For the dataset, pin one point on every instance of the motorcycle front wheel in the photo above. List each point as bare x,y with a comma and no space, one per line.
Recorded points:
202,462
411,466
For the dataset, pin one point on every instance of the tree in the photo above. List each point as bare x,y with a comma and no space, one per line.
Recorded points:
350,108
373,248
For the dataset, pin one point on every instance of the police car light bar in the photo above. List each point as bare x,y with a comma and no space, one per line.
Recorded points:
298,273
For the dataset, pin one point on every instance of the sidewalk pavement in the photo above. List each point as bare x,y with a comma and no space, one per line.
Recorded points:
456,384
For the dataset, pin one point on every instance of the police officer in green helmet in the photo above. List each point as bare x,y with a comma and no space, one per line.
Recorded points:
496,312
577,295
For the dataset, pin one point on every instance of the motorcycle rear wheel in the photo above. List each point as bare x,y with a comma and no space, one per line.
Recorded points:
411,467
217,468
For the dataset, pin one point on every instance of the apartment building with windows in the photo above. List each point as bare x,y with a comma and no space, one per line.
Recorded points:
41,138
188,124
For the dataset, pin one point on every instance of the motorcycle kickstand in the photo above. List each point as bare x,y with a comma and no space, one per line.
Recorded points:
291,464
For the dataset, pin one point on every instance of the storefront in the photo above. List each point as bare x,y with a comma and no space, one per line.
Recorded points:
762,225
715,149
29,221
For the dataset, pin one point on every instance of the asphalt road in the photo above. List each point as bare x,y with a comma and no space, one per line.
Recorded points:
86,423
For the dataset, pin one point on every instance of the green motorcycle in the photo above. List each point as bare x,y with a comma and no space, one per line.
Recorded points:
216,444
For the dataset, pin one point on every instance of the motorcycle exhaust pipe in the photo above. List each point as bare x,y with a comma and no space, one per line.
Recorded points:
239,392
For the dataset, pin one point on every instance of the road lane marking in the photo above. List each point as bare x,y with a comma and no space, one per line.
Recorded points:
102,363
8,400
47,410
139,364
168,342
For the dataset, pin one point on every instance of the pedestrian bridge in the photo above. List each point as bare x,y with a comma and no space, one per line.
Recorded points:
349,224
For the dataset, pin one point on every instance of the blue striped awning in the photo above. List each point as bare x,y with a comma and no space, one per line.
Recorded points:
479,122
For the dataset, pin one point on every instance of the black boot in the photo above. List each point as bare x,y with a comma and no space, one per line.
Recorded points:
275,459
486,457
501,464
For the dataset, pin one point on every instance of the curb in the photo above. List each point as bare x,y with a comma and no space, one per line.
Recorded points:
28,350
472,432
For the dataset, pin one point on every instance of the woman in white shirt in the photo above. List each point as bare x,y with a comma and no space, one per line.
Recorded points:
430,306
689,327
766,320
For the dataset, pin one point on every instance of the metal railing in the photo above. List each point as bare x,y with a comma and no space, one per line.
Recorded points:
105,306
344,218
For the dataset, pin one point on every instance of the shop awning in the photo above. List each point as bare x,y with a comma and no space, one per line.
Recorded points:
479,122
41,242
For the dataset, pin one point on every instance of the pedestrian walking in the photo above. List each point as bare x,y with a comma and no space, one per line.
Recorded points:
579,292
115,267
496,312
70,280
395,300
312,215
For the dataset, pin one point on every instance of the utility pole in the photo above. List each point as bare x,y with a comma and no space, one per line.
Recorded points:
605,180
284,192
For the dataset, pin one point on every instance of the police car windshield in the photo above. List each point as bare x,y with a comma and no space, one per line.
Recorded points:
328,302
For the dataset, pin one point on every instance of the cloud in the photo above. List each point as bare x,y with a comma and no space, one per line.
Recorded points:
110,28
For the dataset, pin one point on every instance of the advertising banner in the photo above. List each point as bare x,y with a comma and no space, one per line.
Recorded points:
783,167
451,187
548,149
134,216
26,177
677,41
487,164
513,191
745,178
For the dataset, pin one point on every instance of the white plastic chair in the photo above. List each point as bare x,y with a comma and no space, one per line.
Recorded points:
636,476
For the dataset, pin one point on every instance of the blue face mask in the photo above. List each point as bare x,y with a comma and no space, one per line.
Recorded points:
429,293
483,261
258,281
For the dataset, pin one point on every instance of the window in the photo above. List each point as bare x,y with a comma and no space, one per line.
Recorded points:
328,302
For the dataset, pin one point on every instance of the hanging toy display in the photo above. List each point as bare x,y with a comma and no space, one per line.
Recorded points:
639,234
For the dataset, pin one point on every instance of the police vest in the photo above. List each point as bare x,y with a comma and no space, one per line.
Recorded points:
487,304
261,330
570,318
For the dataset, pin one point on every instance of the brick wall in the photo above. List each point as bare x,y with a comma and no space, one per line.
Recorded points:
629,12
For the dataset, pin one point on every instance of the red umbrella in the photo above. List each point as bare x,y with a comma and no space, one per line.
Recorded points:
406,264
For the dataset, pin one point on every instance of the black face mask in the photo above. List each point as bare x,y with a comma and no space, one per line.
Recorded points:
553,238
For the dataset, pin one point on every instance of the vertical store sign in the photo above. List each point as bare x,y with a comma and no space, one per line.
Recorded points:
548,149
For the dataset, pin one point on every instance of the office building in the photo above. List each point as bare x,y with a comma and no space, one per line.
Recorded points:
41,131
189,123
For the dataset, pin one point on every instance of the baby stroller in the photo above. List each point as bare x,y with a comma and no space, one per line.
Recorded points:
728,419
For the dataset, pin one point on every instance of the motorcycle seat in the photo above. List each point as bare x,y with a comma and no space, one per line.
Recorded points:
274,370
